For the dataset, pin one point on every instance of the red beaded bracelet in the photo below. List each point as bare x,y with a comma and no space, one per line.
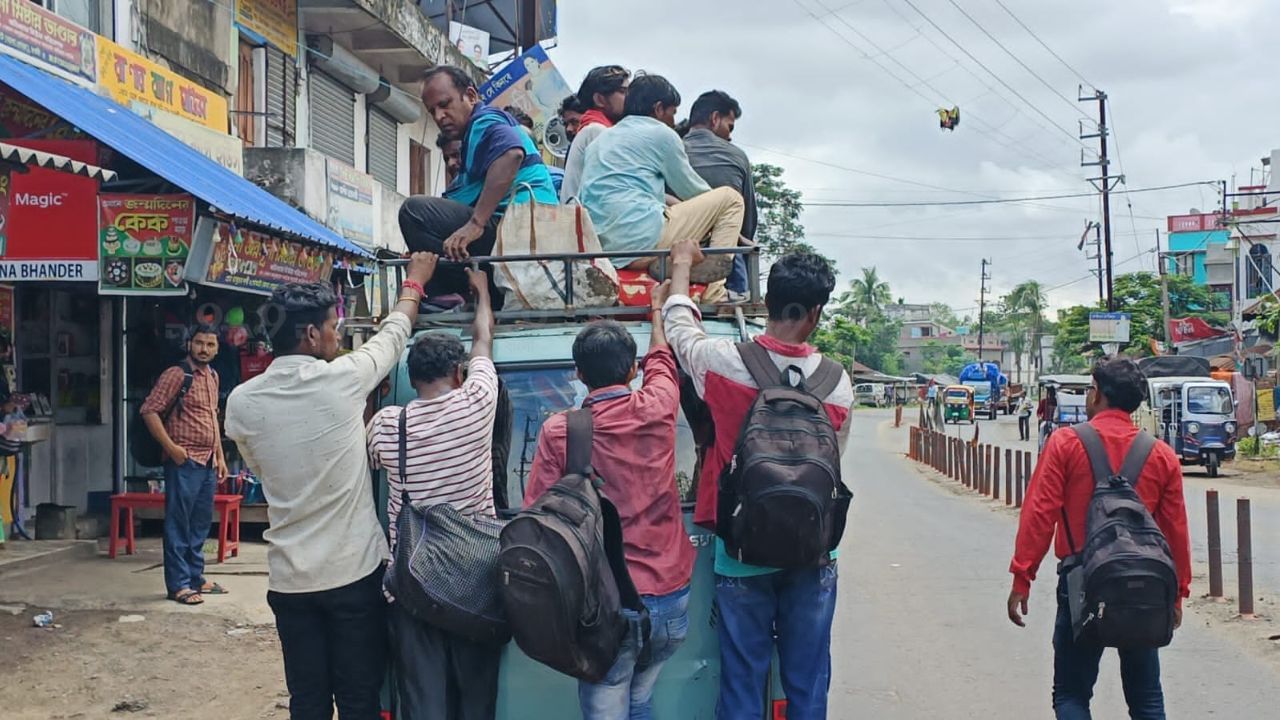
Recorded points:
414,285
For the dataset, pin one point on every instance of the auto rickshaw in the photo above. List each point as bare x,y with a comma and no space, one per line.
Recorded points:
958,404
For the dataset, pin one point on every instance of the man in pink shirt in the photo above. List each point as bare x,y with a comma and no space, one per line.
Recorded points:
633,451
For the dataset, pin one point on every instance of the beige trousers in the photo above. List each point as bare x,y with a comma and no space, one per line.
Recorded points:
717,214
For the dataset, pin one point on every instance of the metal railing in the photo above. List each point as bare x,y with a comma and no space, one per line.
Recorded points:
390,274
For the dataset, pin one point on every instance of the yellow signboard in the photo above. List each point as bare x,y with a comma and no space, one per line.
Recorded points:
129,77
274,20
1267,405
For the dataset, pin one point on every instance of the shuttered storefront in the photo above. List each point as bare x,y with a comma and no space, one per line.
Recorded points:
333,117
282,93
383,137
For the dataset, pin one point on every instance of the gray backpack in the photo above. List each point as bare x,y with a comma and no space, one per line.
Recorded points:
1122,586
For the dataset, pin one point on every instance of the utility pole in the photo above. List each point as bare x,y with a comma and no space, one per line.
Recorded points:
982,307
1164,293
1103,183
1096,242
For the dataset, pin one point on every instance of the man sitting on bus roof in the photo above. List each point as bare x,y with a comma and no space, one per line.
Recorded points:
623,185
601,98
498,160
723,164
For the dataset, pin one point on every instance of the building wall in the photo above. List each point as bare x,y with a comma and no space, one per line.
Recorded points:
193,36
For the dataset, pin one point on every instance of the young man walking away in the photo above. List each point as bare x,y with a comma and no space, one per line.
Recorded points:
300,427
633,450
1061,490
448,445
755,602
181,413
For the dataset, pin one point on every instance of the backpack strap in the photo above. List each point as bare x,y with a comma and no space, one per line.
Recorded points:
578,442
760,364
1097,452
1136,459
188,377
824,380
403,458
628,596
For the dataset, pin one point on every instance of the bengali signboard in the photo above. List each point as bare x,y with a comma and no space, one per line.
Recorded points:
1109,327
252,261
19,118
350,196
532,83
128,77
144,243
39,34
275,21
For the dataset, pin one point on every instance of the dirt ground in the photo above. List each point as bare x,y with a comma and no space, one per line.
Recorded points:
217,661
169,665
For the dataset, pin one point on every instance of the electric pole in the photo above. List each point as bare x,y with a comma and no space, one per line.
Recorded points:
1164,294
982,307
1102,183
1096,242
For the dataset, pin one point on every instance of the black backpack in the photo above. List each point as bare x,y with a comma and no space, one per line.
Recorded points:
145,449
563,574
1122,586
781,501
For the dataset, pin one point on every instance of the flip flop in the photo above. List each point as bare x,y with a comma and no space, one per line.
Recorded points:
212,588
187,597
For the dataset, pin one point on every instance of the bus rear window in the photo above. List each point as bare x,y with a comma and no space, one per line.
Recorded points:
535,395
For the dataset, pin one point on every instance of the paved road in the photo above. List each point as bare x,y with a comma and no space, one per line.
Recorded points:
921,630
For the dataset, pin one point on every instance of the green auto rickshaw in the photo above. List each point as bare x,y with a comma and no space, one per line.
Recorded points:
957,404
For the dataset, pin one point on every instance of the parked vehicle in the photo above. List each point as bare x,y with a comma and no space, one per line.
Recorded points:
1190,410
869,394
1071,391
958,404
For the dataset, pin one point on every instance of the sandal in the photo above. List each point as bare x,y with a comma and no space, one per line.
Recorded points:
187,597
212,588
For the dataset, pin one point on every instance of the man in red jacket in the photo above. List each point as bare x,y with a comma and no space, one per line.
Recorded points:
1063,483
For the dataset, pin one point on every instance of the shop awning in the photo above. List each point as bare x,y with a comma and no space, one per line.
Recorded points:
27,156
170,158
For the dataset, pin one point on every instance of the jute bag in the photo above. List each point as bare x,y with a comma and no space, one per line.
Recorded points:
534,228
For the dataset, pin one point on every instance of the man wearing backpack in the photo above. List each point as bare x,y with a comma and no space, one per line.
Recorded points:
633,450
755,601
1060,507
181,413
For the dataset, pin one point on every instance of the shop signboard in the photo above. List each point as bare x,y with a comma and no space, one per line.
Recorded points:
145,241
221,148
275,21
50,225
30,31
242,259
7,315
1109,327
350,199
128,77
19,118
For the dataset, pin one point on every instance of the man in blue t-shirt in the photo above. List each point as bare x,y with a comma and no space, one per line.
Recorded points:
497,156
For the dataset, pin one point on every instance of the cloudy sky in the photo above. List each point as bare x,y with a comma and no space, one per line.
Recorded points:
843,93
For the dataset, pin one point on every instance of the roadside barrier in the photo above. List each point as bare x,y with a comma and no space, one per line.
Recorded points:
974,465
1244,552
1215,544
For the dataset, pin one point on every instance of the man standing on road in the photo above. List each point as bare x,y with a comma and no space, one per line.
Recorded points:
181,413
448,438
757,602
722,164
300,427
1061,490
633,449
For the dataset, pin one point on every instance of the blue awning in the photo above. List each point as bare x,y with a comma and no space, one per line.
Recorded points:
138,139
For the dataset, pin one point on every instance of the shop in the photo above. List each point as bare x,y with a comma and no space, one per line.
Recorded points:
103,272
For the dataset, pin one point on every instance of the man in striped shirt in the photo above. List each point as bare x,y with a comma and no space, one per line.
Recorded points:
448,459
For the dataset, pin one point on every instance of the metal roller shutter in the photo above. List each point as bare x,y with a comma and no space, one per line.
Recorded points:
333,117
282,93
383,140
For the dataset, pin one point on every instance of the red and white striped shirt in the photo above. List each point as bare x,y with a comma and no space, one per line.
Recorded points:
449,447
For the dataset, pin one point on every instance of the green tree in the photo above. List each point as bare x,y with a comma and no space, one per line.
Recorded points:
942,314
866,297
1028,299
947,359
779,230
873,343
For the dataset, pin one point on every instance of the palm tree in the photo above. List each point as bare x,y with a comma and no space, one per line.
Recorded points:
866,296
1029,299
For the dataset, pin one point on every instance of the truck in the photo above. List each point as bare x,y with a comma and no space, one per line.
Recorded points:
988,385
533,352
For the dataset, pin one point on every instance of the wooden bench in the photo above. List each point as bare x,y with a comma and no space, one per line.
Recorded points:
226,509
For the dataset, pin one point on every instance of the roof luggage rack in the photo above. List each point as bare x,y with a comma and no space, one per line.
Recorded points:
390,274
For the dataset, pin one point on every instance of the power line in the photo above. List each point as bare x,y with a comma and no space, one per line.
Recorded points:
998,79
1090,276
995,201
1074,106
1043,44
949,238
873,59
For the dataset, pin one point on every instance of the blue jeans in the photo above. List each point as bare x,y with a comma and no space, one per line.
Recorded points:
188,515
799,605
737,280
626,691
1075,670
